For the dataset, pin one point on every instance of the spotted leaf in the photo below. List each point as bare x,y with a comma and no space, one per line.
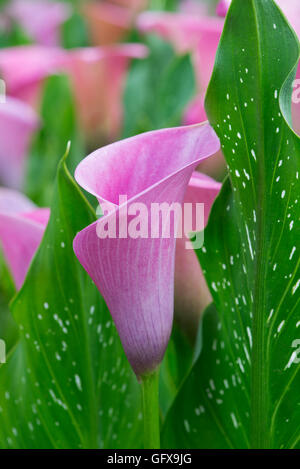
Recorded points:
243,392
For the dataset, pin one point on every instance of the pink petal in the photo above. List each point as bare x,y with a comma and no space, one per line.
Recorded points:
134,5
14,202
108,23
23,69
40,19
136,276
17,124
97,75
193,7
195,111
222,7
291,8
191,292
20,233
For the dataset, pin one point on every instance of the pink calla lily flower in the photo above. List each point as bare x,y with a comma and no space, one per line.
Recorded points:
98,77
96,74
110,22
135,5
135,274
192,295
40,19
193,7
17,125
222,7
188,33
24,68
22,226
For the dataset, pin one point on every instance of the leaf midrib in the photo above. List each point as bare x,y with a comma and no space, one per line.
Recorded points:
259,371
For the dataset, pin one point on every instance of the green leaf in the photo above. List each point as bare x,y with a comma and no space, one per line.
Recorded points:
59,125
244,389
8,328
164,5
174,368
177,88
74,32
15,36
157,89
68,383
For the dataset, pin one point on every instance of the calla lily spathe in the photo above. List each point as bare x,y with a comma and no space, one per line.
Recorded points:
136,276
17,125
191,292
22,226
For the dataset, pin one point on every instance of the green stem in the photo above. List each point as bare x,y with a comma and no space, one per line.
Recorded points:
150,384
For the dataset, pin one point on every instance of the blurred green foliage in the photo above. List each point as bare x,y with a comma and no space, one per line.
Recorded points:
59,125
74,32
157,89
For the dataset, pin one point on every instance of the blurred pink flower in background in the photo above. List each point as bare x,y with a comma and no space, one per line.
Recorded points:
193,7
135,5
192,295
136,275
222,7
22,226
97,76
198,34
40,19
110,22
17,125
24,68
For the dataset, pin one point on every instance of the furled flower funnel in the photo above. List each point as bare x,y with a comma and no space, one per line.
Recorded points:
134,267
41,19
188,33
22,227
17,124
97,76
191,292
